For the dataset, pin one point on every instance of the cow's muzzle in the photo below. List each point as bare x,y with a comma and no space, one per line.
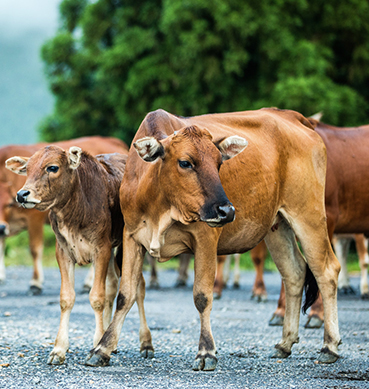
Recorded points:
23,198
3,230
225,214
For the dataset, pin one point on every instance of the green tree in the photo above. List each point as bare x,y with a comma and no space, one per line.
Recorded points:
112,61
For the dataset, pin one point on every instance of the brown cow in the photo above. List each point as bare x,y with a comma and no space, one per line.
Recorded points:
82,194
346,197
176,188
14,218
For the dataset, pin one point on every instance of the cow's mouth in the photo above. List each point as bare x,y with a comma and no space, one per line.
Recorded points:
28,205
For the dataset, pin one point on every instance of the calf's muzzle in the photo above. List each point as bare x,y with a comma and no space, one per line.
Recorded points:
22,196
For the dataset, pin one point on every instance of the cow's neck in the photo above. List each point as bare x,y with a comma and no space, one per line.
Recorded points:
78,207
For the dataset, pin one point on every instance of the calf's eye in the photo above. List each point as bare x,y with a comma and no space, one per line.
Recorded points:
52,169
185,164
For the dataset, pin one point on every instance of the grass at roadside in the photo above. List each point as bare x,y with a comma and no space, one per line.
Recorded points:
17,254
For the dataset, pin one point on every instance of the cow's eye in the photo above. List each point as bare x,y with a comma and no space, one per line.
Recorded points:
185,164
52,169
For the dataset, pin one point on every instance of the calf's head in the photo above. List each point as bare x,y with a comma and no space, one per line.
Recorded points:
189,173
49,176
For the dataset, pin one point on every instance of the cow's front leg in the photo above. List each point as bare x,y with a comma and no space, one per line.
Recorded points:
131,275
205,265
2,261
67,298
36,244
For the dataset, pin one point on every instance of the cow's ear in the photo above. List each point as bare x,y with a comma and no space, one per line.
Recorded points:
231,146
17,165
74,157
149,149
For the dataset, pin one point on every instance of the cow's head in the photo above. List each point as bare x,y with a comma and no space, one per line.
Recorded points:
49,176
189,173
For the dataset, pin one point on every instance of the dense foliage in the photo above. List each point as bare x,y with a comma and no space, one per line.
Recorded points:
112,61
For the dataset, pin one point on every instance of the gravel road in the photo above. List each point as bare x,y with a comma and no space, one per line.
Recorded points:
28,326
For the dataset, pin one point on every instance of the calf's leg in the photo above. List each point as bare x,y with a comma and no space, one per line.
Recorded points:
67,298
131,289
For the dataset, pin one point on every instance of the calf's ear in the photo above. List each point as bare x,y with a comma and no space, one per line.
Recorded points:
17,165
231,146
74,157
149,149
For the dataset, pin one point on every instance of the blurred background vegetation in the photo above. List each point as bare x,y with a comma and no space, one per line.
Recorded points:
110,62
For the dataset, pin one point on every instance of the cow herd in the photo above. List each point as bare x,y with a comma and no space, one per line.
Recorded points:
209,185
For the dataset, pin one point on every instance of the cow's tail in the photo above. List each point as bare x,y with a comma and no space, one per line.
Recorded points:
311,290
119,258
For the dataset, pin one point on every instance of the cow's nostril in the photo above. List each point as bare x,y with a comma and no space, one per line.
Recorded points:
2,230
22,196
226,212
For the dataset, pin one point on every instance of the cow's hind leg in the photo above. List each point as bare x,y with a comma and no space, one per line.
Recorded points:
312,234
362,251
111,289
258,255
341,248
218,284
287,256
98,291
67,298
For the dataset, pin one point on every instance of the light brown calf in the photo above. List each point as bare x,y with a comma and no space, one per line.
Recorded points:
14,219
180,183
82,194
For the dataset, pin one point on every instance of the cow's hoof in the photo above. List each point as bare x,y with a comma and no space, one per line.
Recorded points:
205,363
314,322
236,285
35,290
346,291
154,284
327,356
180,284
279,353
55,359
276,320
365,296
147,353
97,359
259,298
217,296
85,289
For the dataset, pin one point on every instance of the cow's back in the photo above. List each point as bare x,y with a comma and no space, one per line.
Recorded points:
347,177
